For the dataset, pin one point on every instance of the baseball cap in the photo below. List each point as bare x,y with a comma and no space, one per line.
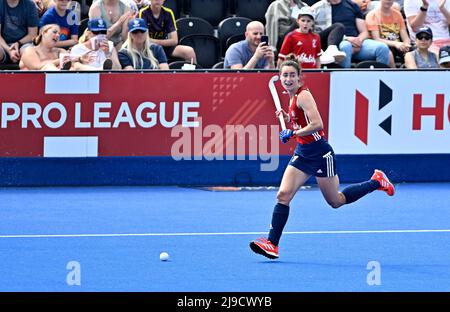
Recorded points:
444,54
137,24
424,30
97,24
306,11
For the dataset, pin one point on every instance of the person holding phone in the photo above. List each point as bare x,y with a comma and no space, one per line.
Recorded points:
253,52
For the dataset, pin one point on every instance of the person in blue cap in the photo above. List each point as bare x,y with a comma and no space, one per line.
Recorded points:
95,49
138,52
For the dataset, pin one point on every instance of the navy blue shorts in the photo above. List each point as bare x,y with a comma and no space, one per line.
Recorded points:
315,158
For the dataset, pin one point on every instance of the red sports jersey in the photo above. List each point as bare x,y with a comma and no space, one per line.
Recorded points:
299,119
306,46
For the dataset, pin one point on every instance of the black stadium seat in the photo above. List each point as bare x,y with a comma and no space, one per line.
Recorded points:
211,10
179,65
193,25
371,64
231,26
253,9
206,47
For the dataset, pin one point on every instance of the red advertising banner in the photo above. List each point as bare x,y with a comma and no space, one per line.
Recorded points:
181,114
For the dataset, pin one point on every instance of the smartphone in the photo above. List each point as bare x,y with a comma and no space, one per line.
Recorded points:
265,39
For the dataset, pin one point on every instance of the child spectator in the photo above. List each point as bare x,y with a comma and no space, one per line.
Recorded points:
386,24
302,42
67,20
162,30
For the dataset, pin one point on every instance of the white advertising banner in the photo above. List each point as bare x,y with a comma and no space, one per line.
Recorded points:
383,112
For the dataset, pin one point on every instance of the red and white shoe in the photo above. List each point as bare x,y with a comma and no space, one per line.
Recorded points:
385,184
264,247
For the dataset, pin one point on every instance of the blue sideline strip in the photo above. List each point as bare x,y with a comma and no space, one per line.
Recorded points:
166,171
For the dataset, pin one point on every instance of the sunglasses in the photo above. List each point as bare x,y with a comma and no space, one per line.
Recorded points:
102,32
421,37
138,31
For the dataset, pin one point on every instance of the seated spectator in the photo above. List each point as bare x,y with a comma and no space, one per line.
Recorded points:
444,57
386,24
138,52
422,57
45,55
279,20
302,42
18,26
250,53
95,49
356,44
432,13
163,31
116,14
67,20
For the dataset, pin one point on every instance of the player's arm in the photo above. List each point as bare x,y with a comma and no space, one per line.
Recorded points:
306,102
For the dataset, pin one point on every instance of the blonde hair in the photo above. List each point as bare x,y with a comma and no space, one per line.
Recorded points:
138,56
37,40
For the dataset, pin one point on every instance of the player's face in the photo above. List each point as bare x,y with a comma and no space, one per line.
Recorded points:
289,78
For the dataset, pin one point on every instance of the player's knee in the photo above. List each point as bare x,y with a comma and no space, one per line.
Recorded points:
284,196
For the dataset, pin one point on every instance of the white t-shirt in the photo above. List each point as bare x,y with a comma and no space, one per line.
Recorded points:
435,19
98,55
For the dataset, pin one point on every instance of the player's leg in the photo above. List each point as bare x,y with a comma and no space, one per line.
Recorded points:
330,189
329,186
293,179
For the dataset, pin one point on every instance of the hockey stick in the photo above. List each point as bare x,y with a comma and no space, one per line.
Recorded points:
276,100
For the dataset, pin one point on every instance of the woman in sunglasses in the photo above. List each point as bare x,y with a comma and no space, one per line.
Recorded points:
422,57
138,52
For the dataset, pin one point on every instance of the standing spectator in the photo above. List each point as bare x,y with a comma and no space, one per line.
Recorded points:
67,20
18,26
138,52
444,57
163,31
250,53
356,43
386,24
422,57
116,14
432,13
302,42
279,20
95,49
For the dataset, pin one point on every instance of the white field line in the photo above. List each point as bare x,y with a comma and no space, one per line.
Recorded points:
218,233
